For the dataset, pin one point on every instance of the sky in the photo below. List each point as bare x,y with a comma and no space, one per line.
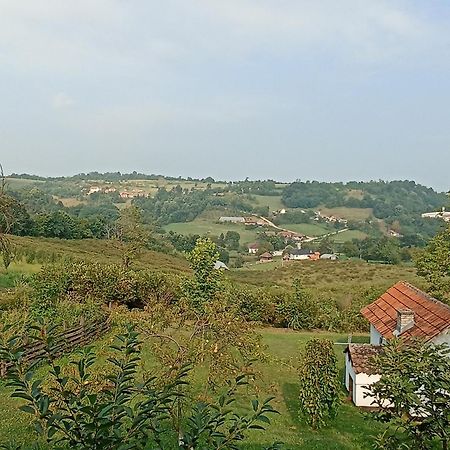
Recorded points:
266,89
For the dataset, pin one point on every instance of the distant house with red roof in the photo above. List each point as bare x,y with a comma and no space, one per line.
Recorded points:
402,311
266,257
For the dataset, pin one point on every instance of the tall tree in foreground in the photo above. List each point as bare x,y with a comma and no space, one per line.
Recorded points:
413,396
433,263
319,383
6,220
206,283
131,235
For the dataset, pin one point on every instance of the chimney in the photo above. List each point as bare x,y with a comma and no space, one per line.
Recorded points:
405,321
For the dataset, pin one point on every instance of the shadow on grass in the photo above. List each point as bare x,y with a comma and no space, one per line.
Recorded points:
290,395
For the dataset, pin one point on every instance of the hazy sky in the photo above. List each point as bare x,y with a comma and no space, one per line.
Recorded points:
284,89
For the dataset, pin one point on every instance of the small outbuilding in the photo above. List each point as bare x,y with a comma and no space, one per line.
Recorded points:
266,257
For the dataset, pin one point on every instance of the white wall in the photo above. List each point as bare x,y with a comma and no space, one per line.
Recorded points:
442,338
360,381
375,336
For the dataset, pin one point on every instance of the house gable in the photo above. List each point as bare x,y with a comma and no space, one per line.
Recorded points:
431,317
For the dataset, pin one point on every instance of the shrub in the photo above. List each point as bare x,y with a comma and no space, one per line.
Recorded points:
319,383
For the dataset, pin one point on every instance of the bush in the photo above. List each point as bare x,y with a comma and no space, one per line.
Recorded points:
319,383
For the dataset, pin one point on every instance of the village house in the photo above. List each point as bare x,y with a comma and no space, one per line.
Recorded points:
402,311
298,254
266,257
253,248
255,221
291,236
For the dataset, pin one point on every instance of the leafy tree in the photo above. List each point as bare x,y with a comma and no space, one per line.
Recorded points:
131,234
413,395
433,263
232,240
319,383
207,281
124,411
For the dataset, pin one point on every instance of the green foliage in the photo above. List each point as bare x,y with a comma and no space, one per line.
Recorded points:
206,282
124,411
131,235
319,383
413,395
299,312
433,263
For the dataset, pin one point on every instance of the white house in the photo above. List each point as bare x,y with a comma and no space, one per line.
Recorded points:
300,253
253,248
402,311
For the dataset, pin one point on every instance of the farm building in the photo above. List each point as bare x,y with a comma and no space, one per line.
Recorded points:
402,311
232,219
330,256
266,257
253,248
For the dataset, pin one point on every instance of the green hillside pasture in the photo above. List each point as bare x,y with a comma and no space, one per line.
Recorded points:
70,202
357,214
100,250
205,227
348,235
273,202
19,183
335,279
310,229
276,376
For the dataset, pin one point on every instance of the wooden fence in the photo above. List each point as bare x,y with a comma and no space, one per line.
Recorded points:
67,341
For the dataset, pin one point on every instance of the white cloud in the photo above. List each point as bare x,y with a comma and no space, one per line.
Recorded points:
62,101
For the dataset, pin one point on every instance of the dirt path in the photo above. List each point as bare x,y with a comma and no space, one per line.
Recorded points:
308,238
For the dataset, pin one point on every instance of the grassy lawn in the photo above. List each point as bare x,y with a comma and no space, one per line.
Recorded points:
273,202
276,377
348,235
204,226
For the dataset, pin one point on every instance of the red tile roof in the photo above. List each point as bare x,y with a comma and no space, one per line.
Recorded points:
361,357
431,317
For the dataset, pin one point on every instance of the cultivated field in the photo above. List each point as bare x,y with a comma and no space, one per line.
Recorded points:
357,214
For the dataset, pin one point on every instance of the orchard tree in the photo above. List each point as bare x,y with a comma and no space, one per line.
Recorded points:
433,263
413,395
131,234
319,383
206,282
6,222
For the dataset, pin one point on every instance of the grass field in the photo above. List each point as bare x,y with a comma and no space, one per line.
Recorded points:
273,202
277,377
204,226
336,279
100,250
357,214
348,235
310,229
